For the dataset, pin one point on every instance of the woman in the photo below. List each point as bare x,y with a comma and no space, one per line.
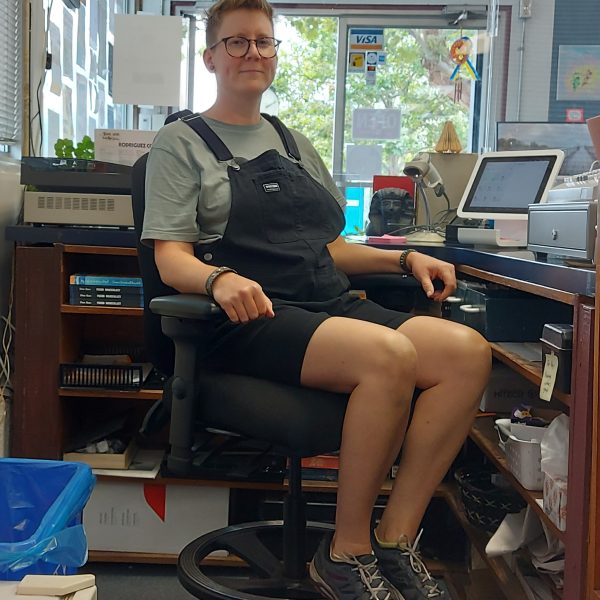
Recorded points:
248,214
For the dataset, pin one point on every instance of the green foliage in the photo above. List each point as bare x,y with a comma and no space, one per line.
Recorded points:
415,79
63,148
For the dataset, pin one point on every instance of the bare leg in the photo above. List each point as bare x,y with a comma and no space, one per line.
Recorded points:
376,366
453,367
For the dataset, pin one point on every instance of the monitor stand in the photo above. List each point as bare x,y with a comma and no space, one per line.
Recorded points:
506,234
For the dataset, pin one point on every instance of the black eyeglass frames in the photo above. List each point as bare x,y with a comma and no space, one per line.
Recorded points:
238,46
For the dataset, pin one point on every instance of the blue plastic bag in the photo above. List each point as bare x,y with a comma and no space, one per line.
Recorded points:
41,502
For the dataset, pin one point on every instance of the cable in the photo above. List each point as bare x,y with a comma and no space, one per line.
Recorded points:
6,388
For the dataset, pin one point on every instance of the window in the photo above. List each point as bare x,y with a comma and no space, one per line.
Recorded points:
10,69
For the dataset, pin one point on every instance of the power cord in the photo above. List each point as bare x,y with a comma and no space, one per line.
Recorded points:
6,387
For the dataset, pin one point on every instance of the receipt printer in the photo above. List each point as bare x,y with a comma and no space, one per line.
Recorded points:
567,229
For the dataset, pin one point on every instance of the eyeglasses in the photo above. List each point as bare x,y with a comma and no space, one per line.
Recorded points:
238,46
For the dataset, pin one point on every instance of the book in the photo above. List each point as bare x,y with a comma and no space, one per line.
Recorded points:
110,280
99,296
105,289
321,461
125,301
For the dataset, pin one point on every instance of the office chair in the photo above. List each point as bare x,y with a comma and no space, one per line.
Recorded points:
297,422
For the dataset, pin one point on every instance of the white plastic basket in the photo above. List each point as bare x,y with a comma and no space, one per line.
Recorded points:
523,456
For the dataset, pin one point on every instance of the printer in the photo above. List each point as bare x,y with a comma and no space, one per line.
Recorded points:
76,192
566,223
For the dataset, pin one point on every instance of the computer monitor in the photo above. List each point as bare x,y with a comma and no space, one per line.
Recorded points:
573,138
504,184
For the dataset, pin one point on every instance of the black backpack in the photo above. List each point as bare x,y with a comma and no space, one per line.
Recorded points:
392,210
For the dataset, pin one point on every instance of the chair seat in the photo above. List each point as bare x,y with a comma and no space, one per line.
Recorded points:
297,421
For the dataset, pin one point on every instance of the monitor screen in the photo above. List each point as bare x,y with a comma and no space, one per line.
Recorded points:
504,184
573,138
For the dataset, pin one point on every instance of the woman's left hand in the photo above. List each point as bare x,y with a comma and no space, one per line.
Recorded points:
426,268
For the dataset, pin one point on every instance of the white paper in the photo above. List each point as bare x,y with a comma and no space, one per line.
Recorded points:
147,60
122,146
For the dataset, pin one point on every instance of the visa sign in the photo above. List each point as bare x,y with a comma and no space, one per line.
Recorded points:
365,39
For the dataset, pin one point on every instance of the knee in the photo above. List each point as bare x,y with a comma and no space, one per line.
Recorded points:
473,352
392,361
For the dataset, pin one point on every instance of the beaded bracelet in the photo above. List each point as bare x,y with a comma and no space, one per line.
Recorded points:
402,261
210,280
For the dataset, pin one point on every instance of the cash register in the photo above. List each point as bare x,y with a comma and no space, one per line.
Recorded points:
494,208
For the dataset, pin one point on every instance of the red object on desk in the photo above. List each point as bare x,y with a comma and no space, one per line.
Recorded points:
394,181
386,239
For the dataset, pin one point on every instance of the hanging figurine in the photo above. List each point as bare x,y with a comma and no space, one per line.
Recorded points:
459,53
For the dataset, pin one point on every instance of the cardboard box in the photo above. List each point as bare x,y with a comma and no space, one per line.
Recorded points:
507,389
149,516
555,500
103,461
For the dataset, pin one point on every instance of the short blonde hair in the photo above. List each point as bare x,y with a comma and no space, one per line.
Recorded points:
215,14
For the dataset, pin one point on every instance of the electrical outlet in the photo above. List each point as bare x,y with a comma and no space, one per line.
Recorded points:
525,9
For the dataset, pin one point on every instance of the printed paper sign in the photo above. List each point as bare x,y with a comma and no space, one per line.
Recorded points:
122,146
365,39
376,123
356,62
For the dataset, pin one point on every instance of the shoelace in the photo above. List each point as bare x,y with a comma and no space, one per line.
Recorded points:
371,577
418,566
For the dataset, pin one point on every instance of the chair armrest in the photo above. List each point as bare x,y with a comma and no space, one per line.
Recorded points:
185,306
382,280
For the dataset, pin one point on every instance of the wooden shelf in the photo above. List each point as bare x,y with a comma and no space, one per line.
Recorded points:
119,311
116,250
519,284
499,568
532,371
103,393
485,436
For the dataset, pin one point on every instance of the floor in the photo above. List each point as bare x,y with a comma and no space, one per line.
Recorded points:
116,581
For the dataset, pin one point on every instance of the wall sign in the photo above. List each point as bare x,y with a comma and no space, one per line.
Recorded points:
376,124
365,39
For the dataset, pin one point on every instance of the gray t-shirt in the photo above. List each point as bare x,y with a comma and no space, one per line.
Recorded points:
188,196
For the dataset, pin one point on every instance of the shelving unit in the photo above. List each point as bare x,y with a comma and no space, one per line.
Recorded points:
485,436
49,332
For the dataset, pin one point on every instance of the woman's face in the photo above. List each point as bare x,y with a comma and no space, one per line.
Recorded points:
250,74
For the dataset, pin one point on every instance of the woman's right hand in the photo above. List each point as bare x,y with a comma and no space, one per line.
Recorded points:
242,299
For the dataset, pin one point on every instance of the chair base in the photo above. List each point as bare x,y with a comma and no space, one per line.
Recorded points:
262,577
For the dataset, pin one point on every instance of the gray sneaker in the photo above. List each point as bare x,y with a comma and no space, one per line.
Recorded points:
405,569
354,578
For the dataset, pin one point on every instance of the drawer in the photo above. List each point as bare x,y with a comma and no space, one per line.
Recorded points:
505,315
566,230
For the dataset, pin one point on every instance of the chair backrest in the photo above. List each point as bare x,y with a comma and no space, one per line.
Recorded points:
159,346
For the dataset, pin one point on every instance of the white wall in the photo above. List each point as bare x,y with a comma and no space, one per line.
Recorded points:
11,195
537,64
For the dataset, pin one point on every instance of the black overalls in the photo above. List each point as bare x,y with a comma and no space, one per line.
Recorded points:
280,223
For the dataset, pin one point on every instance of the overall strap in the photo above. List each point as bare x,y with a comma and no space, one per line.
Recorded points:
286,137
180,114
212,140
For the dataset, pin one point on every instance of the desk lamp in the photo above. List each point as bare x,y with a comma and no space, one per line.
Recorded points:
422,171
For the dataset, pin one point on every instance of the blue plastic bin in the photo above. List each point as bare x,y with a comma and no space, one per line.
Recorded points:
41,502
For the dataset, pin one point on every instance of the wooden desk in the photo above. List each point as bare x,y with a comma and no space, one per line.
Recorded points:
49,331
576,287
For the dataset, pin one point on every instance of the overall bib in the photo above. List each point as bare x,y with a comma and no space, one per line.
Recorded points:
280,223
